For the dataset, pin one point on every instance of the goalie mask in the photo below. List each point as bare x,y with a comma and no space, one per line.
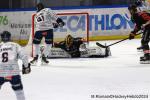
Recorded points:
5,36
69,40
39,6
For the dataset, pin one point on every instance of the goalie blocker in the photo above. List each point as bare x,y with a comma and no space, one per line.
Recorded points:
75,47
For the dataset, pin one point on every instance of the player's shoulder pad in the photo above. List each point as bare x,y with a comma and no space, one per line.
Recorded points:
43,10
14,44
47,9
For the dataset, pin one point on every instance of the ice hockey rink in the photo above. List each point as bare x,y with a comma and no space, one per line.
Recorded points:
84,78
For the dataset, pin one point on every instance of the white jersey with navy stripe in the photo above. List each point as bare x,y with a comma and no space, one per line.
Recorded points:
44,19
145,6
9,54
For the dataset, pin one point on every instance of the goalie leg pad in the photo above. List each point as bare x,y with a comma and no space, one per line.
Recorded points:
16,83
98,52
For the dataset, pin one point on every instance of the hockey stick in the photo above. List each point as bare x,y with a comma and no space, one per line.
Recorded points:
103,46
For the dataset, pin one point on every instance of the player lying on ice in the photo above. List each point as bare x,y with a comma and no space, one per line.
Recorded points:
76,47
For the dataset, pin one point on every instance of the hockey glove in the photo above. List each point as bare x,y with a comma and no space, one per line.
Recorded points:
26,70
131,36
60,22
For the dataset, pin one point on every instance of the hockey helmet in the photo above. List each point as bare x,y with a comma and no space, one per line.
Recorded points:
5,36
39,6
132,7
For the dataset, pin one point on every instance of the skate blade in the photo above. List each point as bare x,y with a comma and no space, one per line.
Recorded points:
139,50
145,62
43,63
34,64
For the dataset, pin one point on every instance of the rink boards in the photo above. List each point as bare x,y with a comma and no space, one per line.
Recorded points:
105,23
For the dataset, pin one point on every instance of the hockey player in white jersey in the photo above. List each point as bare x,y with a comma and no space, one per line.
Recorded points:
143,4
45,21
9,69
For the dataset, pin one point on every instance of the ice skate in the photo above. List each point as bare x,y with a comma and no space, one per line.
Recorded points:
140,49
145,60
34,61
44,60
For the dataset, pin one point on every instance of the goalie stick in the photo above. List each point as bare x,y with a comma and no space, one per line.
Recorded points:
106,46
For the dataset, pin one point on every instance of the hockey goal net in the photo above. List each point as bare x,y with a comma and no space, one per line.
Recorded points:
76,24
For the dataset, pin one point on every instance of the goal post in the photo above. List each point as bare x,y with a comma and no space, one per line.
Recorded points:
76,24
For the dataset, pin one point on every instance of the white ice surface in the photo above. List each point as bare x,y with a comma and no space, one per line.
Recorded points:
78,79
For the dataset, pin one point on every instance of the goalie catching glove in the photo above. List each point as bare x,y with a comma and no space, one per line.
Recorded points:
26,70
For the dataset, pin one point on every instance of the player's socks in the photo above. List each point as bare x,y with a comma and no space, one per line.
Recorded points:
20,95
